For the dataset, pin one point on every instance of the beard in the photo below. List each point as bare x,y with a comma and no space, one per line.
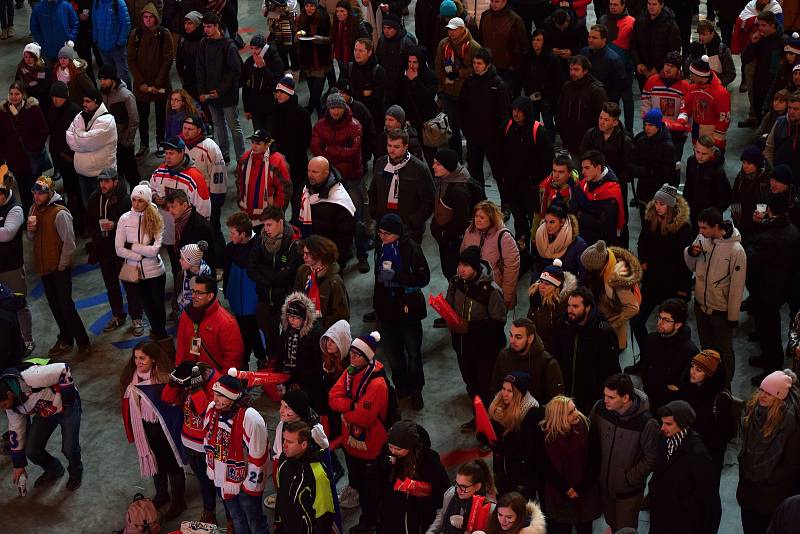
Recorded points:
575,318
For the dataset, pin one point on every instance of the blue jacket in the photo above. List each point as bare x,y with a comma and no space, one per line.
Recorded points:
111,24
53,24
239,288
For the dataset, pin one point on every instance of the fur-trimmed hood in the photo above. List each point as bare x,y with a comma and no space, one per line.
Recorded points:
311,311
619,278
680,219
28,103
537,525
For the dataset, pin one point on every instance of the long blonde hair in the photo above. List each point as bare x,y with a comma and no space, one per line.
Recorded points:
509,416
775,414
552,300
152,223
556,418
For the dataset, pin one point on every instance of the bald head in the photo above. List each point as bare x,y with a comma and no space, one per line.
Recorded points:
318,170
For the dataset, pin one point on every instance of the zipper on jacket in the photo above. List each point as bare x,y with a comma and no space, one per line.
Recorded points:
708,267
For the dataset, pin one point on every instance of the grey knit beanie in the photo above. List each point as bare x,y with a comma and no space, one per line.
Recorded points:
595,257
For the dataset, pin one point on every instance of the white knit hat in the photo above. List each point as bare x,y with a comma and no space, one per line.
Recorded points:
143,192
193,253
33,48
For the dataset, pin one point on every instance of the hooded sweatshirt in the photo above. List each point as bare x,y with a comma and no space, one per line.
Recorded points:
150,55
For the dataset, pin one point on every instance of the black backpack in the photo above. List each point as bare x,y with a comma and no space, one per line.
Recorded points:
476,194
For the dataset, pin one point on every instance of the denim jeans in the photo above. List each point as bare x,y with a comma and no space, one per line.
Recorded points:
355,189
39,434
88,185
246,513
403,348
217,201
225,119
118,56
315,88
197,461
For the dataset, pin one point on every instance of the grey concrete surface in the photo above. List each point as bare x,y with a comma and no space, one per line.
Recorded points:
111,471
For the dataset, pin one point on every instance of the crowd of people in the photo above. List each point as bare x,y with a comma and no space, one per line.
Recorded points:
405,124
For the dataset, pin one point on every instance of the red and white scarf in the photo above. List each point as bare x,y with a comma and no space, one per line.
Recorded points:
141,410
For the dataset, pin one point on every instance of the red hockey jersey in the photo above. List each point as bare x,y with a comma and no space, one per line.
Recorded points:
709,107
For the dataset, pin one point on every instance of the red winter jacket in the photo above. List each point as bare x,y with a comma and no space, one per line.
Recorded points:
340,143
219,335
255,197
362,414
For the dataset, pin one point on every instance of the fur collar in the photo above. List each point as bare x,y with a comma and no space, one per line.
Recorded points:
311,311
537,524
680,219
28,103
619,280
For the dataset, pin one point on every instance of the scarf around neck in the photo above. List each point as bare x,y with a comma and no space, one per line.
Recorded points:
140,412
675,441
760,454
558,246
392,172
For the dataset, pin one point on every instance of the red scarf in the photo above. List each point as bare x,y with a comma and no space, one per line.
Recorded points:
232,452
604,192
312,290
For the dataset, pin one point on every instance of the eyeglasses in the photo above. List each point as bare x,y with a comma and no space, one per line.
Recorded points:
462,487
198,292
663,319
384,233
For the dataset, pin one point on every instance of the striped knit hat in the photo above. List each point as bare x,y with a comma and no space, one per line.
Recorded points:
286,85
700,67
793,44
366,345
229,387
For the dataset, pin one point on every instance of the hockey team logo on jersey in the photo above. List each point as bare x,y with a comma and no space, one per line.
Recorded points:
668,107
235,472
703,104
44,408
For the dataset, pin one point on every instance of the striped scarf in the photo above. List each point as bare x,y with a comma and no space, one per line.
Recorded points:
675,441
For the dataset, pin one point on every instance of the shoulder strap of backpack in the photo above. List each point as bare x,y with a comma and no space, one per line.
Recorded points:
500,240
534,130
508,126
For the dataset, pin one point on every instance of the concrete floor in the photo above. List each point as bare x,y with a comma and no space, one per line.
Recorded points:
111,474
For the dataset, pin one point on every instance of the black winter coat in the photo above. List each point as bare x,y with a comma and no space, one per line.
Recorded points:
526,162
258,85
544,74
334,221
661,246
653,164
274,274
58,120
652,39
418,96
579,104
369,77
772,258
416,196
706,185
219,67
711,411
609,68
682,489
597,219
392,54
186,58
457,197
198,229
747,192
666,362
767,54
617,149
306,370
399,511
110,207
517,457
483,107
291,130
587,354
369,137
402,298
574,37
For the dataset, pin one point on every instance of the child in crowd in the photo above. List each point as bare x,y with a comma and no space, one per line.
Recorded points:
192,264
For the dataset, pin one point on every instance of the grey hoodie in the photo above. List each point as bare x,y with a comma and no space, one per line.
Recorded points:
122,105
339,333
720,272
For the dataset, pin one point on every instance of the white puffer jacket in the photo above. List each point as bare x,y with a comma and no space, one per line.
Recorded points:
95,143
144,250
